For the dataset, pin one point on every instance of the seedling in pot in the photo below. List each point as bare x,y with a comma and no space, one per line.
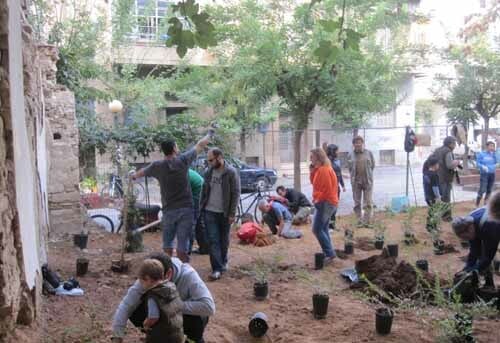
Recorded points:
435,219
349,242
380,229
260,272
321,290
409,233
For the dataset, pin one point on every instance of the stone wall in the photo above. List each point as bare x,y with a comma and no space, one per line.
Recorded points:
23,199
62,138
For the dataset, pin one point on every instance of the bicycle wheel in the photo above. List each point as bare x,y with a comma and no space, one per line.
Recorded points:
139,192
111,193
237,217
106,221
257,214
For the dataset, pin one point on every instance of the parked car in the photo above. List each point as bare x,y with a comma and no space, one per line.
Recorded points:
251,177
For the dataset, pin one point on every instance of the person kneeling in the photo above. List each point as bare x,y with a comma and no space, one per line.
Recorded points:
164,318
482,229
278,218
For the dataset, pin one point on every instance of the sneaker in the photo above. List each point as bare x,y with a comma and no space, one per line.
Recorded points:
328,260
214,276
360,225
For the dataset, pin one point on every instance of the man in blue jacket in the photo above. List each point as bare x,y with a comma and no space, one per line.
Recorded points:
482,229
486,162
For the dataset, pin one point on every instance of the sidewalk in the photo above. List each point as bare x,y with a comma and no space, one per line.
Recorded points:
389,182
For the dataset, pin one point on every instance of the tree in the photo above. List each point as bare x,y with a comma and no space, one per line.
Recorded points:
475,93
425,109
238,108
303,52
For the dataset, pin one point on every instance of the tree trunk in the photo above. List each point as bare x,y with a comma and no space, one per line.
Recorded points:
355,132
484,139
243,145
296,159
466,157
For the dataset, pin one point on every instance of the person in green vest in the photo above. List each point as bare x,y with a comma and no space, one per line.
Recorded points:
196,183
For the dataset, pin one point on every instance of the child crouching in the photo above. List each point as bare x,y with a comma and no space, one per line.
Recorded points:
164,320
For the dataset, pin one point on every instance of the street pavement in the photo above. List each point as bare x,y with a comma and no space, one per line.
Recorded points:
389,182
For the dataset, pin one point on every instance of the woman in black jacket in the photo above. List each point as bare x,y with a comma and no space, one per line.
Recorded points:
332,152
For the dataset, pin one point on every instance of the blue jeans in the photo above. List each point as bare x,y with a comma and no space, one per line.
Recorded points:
486,182
177,223
196,216
217,227
324,211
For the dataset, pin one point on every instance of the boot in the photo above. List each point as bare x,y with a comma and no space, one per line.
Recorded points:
478,201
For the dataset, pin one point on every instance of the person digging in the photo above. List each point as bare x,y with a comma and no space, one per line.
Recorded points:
482,229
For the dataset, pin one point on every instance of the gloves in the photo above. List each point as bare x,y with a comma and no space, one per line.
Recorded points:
485,169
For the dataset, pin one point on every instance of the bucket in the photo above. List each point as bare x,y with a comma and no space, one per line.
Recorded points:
400,204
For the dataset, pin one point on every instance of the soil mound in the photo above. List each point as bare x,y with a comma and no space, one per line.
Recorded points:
364,243
399,279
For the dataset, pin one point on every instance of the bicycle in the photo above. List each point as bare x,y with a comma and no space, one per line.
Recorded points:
257,195
114,189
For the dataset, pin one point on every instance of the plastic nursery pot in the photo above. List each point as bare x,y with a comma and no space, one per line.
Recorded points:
393,250
319,260
82,266
383,320
496,265
320,305
80,240
349,248
423,265
438,247
379,245
261,290
258,325
119,266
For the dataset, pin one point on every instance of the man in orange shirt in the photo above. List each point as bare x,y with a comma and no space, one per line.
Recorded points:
325,199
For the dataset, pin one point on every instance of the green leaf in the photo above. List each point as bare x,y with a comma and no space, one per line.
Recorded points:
330,25
352,39
326,52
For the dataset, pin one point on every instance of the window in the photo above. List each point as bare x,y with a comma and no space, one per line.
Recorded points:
482,3
385,119
151,20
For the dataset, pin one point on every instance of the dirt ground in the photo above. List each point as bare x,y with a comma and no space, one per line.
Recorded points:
289,307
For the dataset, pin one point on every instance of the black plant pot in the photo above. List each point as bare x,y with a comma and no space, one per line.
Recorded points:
349,248
496,265
258,325
319,260
80,240
260,290
423,265
320,305
393,250
464,244
383,320
82,266
379,245
466,288
438,247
